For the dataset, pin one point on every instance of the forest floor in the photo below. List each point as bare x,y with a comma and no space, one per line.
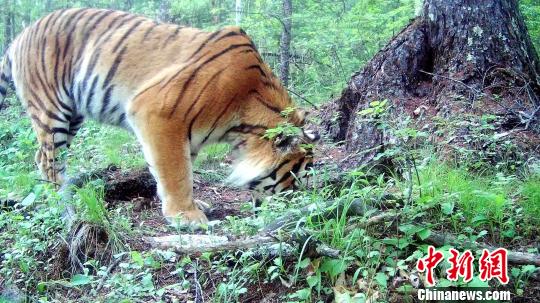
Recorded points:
378,246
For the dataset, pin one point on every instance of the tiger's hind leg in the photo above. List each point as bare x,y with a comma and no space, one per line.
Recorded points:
53,138
167,152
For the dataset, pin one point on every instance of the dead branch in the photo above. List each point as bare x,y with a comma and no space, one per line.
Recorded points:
264,245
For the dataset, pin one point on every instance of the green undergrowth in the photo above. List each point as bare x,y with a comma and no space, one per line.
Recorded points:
433,196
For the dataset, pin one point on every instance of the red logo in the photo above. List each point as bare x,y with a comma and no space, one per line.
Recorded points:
429,263
460,266
491,265
494,265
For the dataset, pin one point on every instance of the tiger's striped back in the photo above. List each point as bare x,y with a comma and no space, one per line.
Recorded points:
176,88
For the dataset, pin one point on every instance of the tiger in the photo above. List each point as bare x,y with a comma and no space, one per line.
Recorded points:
175,88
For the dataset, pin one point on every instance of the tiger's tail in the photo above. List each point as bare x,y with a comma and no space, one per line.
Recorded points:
5,78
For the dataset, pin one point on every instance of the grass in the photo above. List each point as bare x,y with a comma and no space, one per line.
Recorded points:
479,201
530,190
504,208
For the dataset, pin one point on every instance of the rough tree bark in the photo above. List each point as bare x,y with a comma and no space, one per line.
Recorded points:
458,57
285,43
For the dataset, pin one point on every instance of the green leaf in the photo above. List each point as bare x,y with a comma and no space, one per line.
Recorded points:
333,267
304,263
399,243
312,281
447,208
79,279
137,258
302,294
381,279
424,233
29,200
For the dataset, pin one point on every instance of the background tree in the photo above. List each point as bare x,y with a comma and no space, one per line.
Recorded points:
457,58
285,42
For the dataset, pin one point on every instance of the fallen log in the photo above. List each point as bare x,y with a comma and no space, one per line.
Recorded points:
264,245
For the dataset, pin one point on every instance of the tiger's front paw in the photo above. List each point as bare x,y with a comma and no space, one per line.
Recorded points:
194,217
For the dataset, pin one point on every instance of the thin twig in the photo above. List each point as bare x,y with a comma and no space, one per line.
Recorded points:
108,272
198,289
303,98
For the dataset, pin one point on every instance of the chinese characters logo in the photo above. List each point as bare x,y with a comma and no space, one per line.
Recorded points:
491,265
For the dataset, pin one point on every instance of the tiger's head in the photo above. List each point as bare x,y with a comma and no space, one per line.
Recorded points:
271,160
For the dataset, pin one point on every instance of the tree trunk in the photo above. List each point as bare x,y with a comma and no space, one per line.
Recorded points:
459,57
238,10
164,14
285,42
8,21
215,11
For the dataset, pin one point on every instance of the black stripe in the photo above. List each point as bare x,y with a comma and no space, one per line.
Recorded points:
254,52
149,30
86,32
114,109
106,99
91,93
90,69
288,174
65,107
259,98
245,129
60,130
45,85
121,119
192,122
49,19
171,36
109,30
270,85
212,36
202,91
68,117
229,34
119,25
98,20
3,91
273,174
40,124
89,29
126,34
258,68
254,184
57,16
214,125
57,58
42,107
59,144
69,27
114,68
65,76
77,120
195,36
194,74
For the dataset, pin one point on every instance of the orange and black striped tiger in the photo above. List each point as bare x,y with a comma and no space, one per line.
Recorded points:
176,88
